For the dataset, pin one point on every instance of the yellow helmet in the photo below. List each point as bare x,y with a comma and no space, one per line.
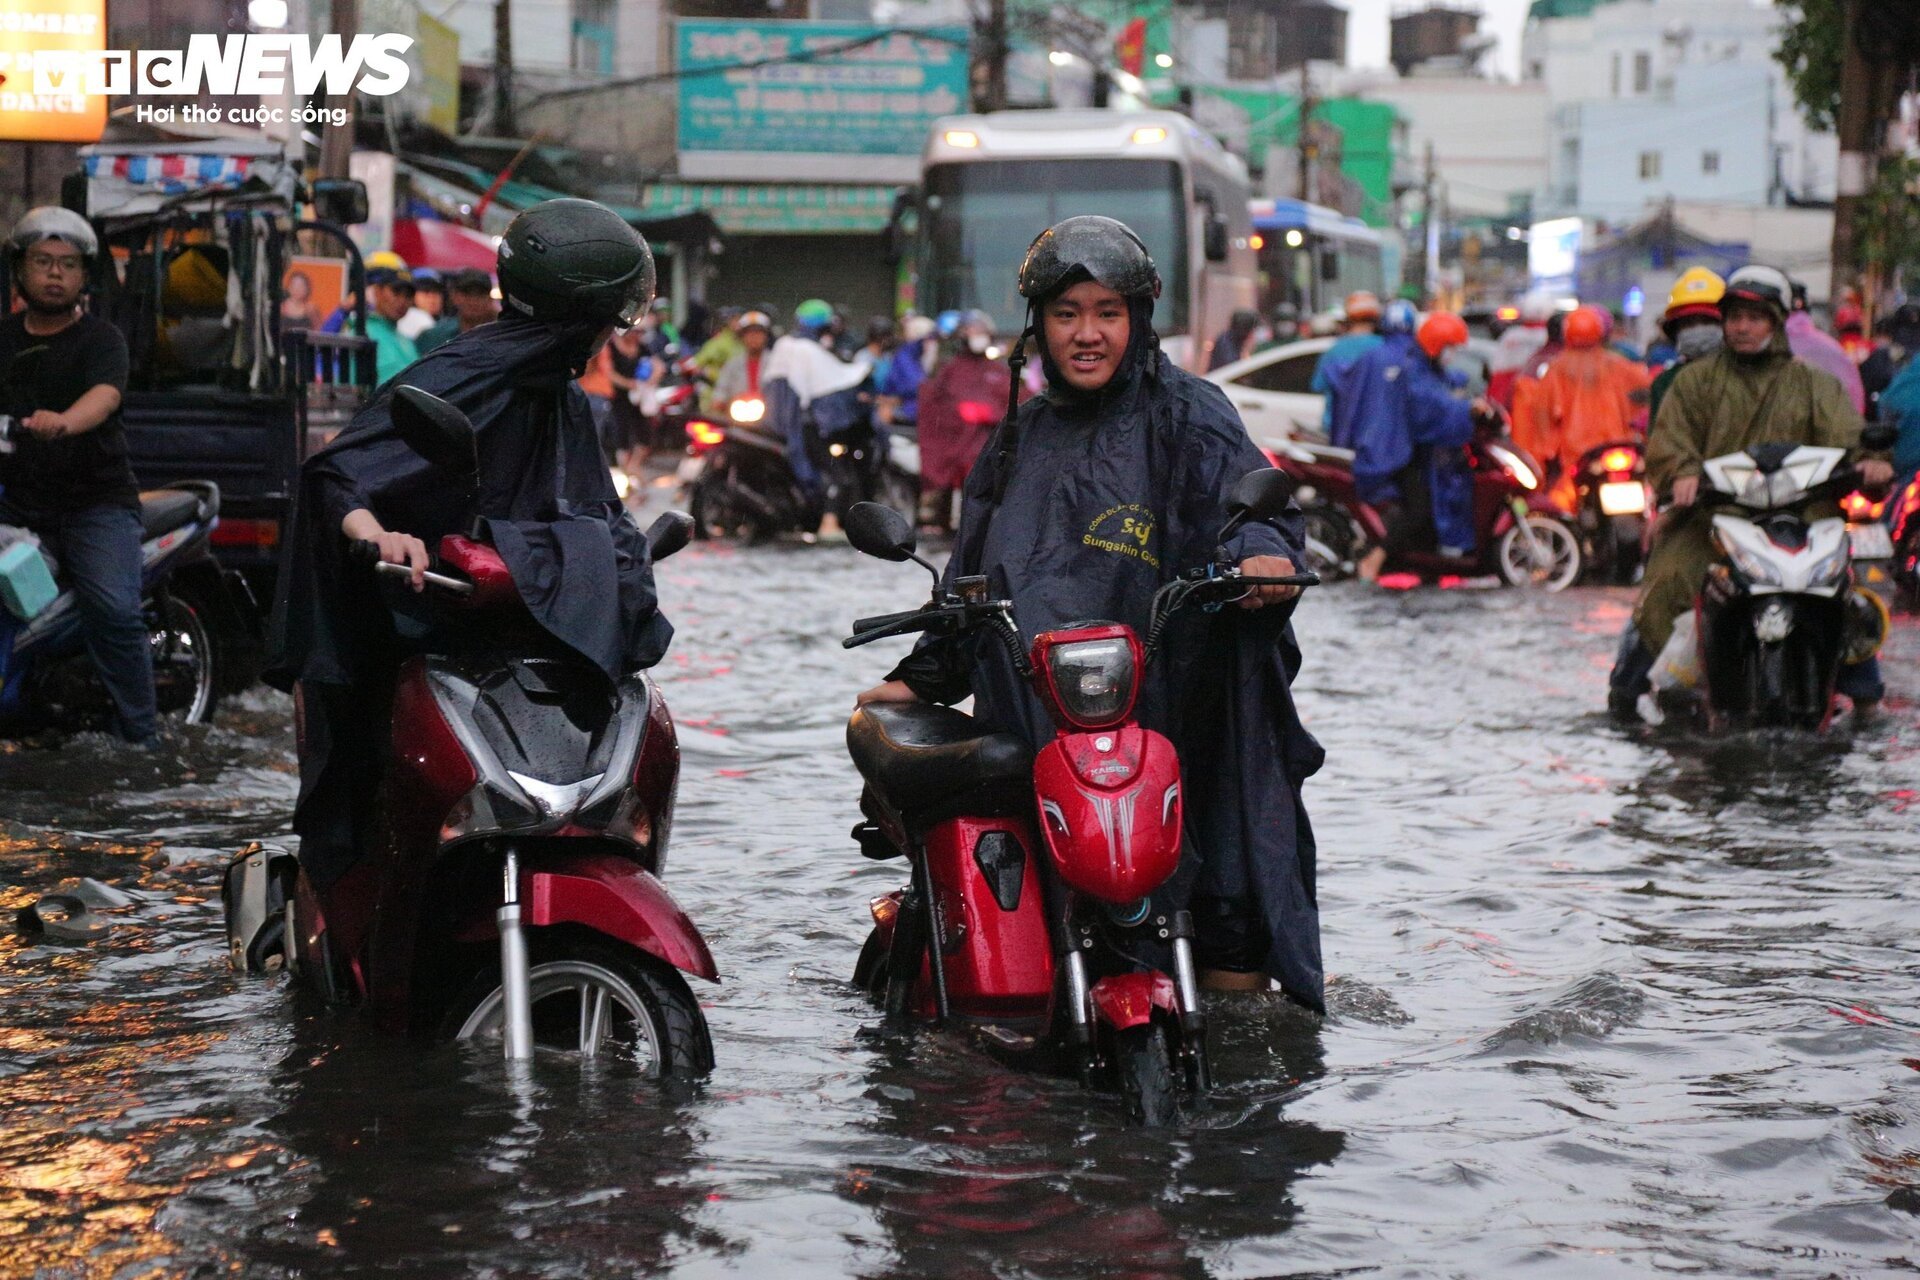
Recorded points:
1698,287
394,262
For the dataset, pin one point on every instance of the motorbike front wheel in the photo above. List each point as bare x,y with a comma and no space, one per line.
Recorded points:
1143,1072
1549,560
600,1001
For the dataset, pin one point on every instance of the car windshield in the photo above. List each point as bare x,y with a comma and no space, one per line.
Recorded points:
980,218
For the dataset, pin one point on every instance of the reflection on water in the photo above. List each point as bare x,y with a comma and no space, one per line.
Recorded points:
1601,1003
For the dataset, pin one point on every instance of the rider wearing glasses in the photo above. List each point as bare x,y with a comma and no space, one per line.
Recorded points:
66,476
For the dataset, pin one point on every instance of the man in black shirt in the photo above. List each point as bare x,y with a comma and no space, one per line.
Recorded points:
62,374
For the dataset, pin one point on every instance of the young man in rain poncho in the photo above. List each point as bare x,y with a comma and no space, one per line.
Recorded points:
1089,497
570,270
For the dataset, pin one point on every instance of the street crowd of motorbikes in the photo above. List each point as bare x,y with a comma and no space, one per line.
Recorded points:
529,806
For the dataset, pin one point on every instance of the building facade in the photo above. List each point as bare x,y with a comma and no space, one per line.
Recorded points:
1629,78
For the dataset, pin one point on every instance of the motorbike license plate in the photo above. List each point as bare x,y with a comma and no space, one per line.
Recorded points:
1623,498
1871,541
690,469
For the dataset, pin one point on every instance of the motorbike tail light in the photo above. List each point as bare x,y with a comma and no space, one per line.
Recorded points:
702,436
747,409
1089,676
1859,508
262,535
976,413
1617,460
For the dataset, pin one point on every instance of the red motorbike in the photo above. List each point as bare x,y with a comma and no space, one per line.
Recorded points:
1029,910
512,892
1521,537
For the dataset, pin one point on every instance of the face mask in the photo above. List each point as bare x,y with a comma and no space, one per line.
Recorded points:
978,343
1699,340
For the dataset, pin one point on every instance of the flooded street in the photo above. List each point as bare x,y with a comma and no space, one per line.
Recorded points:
1600,1005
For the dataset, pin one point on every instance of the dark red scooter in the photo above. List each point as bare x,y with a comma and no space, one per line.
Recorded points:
1029,911
1521,537
512,892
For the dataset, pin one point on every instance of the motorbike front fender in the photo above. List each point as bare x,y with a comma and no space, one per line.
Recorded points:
1128,999
612,895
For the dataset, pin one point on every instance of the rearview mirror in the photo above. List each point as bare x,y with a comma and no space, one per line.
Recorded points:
341,200
668,534
1216,240
436,430
880,531
1261,495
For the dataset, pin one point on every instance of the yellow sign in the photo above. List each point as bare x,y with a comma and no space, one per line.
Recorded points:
439,51
29,28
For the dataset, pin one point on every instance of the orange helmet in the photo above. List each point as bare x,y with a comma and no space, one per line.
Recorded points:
1585,328
1362,305
1439,331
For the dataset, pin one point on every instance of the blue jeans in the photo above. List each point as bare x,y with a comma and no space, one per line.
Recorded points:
98,549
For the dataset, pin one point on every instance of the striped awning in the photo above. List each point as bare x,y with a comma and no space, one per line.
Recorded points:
776,208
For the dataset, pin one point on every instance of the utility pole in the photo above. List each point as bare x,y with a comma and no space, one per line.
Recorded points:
1430,233
989,62
336,141
503,122
1308,147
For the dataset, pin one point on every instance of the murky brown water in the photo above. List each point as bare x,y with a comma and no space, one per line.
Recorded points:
1602,1006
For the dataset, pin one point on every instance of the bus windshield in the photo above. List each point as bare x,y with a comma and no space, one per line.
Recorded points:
981,216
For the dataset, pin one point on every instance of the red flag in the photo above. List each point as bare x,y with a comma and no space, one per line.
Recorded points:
1132,47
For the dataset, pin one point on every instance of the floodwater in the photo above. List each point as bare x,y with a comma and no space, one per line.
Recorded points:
1602,1005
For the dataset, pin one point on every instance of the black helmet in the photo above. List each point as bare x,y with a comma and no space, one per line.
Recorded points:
1091,248
571,261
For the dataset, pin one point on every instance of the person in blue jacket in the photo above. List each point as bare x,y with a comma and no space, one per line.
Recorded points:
1362,335
1900,409
1403,417
1089,498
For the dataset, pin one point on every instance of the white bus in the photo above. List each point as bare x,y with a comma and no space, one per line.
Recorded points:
991,183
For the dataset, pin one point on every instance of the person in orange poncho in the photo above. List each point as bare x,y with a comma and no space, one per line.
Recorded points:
1589,397
1531,428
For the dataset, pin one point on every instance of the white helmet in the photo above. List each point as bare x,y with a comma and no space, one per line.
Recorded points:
51,222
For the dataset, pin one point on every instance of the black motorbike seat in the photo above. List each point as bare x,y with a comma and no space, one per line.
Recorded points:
164,510
916,754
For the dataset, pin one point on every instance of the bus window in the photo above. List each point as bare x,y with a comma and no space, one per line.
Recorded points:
980,217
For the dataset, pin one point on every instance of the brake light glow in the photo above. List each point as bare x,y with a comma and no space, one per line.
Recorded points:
1258,242
1617,460
702,435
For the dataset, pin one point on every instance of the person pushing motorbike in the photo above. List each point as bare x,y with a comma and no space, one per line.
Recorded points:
1751,391
1087,500
570,271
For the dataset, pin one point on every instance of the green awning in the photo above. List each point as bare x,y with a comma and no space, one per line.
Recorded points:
776,208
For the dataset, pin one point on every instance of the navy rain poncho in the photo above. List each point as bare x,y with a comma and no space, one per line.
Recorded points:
1110,496
580,563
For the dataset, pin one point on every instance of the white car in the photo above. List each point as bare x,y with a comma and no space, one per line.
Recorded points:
1273,390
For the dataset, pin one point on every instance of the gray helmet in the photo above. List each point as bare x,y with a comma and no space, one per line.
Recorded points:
573,261
1091,248
51,222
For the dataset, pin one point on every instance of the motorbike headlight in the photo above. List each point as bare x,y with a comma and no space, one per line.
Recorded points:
747,409
1830,568
1092,680
1752,567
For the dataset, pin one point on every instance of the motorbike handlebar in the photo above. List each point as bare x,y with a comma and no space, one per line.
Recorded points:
364,552
884,620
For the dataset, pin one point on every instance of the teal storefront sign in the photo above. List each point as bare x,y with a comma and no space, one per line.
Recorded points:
807,97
